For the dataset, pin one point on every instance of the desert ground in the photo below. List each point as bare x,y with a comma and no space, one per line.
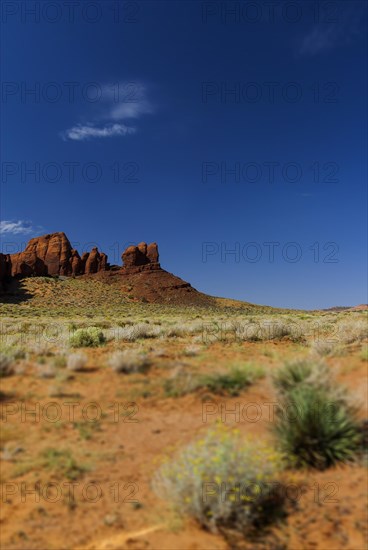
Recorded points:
117,411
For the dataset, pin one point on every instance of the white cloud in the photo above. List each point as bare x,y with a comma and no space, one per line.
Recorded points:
82,133
120,102
19,227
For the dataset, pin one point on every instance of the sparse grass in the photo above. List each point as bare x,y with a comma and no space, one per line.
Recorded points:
63,464
87,429
222,481
233,381
129,361
181,382
91,337
227,382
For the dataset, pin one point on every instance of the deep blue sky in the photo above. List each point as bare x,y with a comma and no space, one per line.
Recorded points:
173,127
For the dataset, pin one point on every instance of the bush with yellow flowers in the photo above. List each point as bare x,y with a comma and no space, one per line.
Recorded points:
224,480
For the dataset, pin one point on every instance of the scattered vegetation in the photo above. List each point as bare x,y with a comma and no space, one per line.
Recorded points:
234,380
63,464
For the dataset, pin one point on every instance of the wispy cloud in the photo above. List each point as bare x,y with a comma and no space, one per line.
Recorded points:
319,40
82,133
119,103
19,227
322,38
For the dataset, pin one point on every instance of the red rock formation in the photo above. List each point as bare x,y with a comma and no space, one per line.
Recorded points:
52,255
76,263
140,258
103,265
54,250
84,259
152,253
93,261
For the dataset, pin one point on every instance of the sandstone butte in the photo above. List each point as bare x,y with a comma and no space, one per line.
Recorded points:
52,256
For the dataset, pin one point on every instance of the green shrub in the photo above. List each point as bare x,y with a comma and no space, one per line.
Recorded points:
234,381
91,337
317,427
291,375
223,481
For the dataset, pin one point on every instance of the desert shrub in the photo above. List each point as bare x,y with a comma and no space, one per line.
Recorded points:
91,337
175,331
274,329
352,331
234,380
76,361
316,426
181,382
323,348
129,361
135,332
291,375
6,365
222,480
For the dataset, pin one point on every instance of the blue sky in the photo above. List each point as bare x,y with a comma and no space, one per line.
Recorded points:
208,127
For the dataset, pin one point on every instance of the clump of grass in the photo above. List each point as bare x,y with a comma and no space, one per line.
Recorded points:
234,380
291,375
6,365
76,361
223,481
63,464
91,337
324,348
315,430
129,361
180,383
316,423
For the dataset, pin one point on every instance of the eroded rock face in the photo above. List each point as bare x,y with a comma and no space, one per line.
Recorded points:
142,257
76,263
46,255
52,255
